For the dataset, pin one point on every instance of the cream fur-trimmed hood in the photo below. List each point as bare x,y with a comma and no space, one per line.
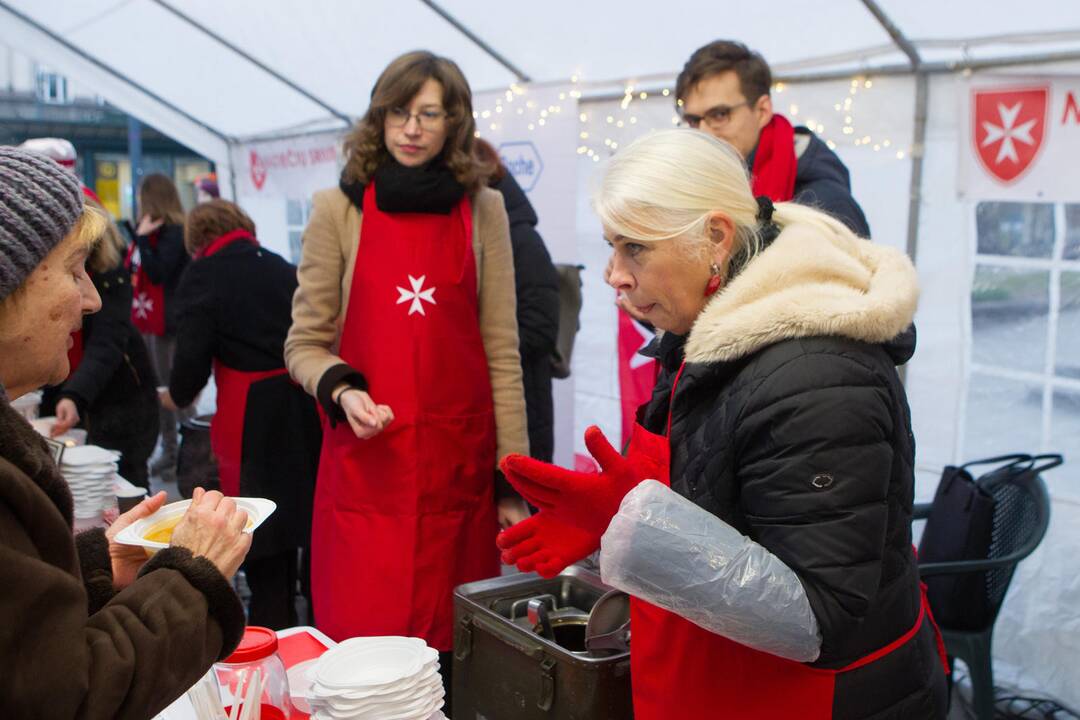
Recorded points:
809,282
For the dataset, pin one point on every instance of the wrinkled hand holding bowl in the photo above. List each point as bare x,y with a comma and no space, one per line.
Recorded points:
155,532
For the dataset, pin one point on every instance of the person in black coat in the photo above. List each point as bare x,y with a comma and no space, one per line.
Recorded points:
235,305
157,259
111,391
761,519
537,284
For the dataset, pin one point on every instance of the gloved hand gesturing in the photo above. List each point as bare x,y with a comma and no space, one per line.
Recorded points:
545,544
585,500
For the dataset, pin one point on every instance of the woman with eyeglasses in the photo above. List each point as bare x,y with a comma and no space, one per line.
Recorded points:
404,329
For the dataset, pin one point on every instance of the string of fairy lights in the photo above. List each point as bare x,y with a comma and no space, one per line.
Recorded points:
603,125
488,119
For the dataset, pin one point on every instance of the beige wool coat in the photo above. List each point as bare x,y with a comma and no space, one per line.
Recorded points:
330,245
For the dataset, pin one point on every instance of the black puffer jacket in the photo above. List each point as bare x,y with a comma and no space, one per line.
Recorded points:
789,423
114,386
537,315
822,181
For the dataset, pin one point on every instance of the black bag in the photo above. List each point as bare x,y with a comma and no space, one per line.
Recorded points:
196,465
569,310
959,528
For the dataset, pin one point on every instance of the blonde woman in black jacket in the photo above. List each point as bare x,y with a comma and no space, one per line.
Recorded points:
761,518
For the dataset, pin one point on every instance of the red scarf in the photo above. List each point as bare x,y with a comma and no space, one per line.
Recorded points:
219,243
775,163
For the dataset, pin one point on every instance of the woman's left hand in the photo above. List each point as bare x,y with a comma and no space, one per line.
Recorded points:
511,511
165,398
67,417
128,559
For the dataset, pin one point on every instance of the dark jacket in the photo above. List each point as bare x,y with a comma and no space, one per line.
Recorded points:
537,315
235,309
73,648
789,423
822,181
164,265
114,386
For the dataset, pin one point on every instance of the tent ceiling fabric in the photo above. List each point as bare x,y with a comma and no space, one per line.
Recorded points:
605,41
334,49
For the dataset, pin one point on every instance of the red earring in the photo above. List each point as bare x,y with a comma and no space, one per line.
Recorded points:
714,281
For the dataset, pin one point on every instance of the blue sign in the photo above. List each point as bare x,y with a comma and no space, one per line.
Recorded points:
523,161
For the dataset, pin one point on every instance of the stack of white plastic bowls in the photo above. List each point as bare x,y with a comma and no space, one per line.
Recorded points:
383,678
89,472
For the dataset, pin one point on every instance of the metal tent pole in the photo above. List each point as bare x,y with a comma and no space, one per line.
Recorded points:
478,41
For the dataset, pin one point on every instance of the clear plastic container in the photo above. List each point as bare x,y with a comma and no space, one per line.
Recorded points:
256,667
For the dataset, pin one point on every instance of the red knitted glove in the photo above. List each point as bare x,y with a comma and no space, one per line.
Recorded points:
584,500
545,544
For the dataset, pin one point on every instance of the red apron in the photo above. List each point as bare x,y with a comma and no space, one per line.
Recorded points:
673,662
402,518
227,427
147,299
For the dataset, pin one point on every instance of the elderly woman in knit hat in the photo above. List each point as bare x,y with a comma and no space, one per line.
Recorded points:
88,628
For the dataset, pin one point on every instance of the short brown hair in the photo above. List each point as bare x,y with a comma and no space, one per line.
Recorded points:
490,162
365,145
159,199
212,219
719,56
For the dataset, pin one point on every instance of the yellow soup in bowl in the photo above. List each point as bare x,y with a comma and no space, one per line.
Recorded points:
162,531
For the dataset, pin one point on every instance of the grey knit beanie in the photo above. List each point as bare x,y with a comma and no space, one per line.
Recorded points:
40,203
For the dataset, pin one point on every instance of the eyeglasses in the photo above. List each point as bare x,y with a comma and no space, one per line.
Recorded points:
715,117
428,119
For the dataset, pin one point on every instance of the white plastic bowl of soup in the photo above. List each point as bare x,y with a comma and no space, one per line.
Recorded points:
155,531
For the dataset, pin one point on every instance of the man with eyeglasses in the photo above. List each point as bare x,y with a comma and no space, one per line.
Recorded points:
724,90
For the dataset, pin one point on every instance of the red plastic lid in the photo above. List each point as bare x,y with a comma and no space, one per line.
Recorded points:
257,643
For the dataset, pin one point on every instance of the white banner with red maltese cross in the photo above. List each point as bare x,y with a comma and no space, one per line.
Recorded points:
294,167
1020,138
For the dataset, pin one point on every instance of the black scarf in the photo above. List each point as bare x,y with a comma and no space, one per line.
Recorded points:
430,188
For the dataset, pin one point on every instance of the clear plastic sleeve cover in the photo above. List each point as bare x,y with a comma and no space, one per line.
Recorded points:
664,549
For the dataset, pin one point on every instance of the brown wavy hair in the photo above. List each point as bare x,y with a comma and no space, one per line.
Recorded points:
365,145
212,219
490,163
159,199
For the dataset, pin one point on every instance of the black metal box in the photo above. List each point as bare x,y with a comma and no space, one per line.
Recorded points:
503,670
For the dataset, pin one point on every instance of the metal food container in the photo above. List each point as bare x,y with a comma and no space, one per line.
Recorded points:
506,669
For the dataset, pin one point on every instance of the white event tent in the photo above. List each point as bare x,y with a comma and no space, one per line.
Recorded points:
265,90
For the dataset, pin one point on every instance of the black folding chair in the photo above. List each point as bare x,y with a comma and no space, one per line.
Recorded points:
1021,516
